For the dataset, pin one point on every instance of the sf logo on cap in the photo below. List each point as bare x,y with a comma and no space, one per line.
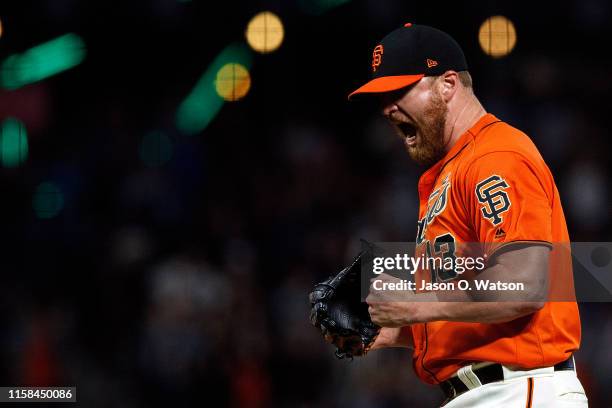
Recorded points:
377,56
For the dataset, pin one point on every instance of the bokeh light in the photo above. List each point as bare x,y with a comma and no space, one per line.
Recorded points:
318,7
497,36
13,143
42,61
0,28
48,200
155,149
265,32
233,82
203,102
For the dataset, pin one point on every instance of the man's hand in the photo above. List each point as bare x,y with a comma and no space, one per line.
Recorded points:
393,308
394,337
390,314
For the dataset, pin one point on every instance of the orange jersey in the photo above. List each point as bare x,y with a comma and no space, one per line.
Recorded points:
494,188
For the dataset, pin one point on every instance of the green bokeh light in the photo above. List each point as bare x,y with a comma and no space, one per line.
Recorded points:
42,61
318,7
48,200
13,143
155,149
203,102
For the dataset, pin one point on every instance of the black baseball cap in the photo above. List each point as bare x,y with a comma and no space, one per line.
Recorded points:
410,53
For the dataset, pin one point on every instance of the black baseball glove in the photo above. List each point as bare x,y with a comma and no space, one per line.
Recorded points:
337,310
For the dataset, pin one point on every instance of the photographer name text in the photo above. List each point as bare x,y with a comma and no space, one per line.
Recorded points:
476,284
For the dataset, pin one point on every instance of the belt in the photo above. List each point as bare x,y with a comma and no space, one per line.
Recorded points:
453,387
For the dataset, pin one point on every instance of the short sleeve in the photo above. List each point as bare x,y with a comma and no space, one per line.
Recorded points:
507,201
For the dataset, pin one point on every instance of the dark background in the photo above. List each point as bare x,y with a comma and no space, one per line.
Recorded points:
185,283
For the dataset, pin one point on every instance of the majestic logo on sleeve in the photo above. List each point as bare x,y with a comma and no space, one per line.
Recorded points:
491,193
377,57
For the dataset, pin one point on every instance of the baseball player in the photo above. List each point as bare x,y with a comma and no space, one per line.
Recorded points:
485,182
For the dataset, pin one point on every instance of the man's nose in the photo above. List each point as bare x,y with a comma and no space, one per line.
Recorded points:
389,109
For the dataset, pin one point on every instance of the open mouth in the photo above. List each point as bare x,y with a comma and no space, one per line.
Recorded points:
409,132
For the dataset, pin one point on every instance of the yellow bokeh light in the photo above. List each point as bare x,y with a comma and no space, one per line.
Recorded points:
265,32
497,36
0,28
232,82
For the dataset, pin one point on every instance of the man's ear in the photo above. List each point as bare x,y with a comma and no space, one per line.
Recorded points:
449,82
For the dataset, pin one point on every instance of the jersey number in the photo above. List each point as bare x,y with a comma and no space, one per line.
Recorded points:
443,248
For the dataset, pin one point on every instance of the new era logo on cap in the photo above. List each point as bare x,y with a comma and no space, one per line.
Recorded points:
410,53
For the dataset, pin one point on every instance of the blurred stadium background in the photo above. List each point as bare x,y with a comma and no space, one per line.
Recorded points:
164,214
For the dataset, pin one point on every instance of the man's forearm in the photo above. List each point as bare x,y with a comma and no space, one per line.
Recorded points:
458,306
525,265
476,312
496,306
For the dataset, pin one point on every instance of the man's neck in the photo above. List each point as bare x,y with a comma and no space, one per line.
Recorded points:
464,119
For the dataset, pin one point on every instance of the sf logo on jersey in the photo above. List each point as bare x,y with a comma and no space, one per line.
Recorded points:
491,193
436,204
